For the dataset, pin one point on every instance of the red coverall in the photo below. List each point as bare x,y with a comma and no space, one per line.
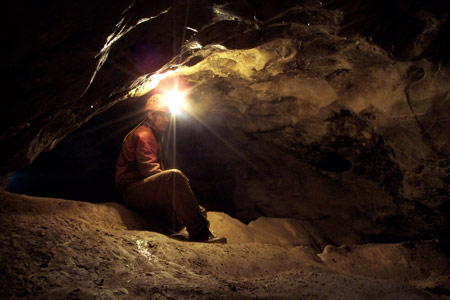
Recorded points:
146,186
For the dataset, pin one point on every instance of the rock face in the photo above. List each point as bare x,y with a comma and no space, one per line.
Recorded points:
298,109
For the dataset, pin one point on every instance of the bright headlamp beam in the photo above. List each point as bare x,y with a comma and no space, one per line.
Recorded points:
175,101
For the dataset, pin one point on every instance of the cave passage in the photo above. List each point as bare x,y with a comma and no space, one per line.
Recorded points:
318,142
82,166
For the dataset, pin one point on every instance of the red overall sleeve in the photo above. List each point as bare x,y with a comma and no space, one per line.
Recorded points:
147,150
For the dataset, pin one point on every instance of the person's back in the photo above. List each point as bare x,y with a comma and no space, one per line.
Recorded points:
137,144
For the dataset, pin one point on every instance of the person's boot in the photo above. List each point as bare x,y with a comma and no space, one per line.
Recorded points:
207,237
181,235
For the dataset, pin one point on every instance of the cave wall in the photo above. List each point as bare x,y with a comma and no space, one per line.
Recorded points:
329,111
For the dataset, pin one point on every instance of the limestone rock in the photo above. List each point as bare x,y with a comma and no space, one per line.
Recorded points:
60,249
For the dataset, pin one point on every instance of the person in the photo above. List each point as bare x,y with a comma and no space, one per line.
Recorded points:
145,185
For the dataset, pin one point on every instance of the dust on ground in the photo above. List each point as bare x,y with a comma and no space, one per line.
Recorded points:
63,249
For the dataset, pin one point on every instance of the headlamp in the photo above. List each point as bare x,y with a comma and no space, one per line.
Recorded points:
175,101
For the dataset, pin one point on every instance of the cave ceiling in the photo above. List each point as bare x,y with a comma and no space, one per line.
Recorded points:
317,109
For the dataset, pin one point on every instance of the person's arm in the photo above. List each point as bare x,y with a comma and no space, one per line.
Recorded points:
146,154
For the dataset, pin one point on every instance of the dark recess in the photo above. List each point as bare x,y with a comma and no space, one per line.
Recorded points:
82,166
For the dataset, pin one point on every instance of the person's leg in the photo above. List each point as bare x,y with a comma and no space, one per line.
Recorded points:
184,203
168,187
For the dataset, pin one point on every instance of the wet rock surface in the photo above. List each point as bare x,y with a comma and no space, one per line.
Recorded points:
62,249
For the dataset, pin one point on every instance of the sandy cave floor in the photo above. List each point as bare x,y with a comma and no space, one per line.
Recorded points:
63,249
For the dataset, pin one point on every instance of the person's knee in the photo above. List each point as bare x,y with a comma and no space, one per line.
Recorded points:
177,174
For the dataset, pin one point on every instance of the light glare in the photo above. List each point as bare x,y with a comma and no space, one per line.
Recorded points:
175,101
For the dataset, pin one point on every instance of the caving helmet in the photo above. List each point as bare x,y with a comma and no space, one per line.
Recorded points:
157,102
